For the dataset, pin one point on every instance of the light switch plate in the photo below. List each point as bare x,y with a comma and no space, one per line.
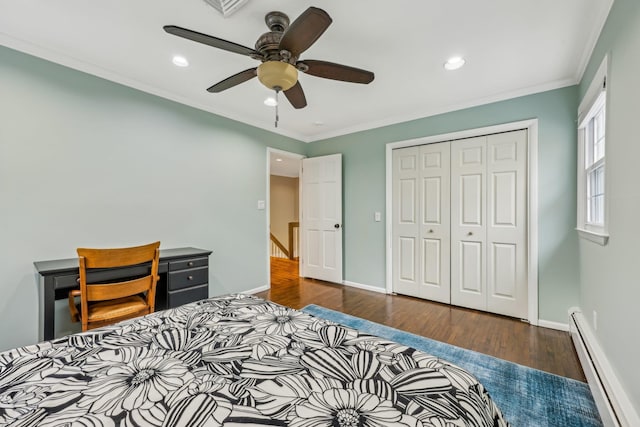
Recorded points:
261,204
377,216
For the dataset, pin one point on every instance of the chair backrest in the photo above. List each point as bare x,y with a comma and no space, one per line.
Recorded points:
118,257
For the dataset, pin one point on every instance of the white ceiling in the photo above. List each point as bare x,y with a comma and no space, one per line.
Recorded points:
512,48
284,164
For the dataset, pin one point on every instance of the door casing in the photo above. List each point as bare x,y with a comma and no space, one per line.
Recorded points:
268,206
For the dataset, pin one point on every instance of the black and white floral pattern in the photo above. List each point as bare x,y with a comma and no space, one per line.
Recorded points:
231,361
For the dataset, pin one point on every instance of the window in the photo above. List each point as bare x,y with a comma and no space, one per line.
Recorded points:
592,216
594,168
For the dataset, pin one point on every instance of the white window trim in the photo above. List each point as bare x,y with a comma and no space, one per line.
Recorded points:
591,103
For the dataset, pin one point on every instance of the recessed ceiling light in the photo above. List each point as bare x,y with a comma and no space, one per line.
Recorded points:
454,63
270,101
278,159
180,61
318,123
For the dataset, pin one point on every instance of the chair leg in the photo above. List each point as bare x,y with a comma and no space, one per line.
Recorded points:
73,310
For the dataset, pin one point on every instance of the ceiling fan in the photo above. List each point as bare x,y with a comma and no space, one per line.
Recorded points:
279,51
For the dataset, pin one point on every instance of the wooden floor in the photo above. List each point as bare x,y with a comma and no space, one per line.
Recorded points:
511,339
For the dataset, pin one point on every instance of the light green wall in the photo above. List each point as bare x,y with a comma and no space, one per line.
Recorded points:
86,162
59,124
364,189
610,280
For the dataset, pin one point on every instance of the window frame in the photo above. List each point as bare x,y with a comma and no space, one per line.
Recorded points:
591,106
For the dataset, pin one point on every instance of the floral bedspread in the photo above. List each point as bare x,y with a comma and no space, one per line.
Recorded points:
231,361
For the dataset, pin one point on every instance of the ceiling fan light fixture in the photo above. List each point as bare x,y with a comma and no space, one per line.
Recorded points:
277,74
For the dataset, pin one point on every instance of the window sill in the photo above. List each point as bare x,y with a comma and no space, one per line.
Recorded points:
592,236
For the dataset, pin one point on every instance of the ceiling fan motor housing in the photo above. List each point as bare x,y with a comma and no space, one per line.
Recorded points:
269,42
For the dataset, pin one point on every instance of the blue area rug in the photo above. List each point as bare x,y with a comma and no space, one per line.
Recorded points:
527,397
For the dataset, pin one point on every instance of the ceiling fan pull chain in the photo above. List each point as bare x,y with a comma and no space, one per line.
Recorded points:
277,118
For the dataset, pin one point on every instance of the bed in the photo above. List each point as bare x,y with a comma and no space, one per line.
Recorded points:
235,360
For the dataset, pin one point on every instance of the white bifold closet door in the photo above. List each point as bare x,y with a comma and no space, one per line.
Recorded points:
468,222
460,226
421,222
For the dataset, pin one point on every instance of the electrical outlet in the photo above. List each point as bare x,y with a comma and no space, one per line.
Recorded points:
595,320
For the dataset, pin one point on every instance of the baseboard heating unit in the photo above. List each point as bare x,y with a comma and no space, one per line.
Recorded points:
613,404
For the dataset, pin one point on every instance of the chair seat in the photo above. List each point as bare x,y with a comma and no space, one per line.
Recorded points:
101,311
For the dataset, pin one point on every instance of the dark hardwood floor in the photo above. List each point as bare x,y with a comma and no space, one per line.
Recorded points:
510,339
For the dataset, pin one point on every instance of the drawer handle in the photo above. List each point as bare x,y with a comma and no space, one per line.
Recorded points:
189,277
190,263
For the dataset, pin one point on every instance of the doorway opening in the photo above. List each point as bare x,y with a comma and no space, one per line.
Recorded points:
283,215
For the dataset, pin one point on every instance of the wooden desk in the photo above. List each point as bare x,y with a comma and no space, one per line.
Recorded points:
184,277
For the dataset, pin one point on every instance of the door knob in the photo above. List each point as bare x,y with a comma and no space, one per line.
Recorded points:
430,230
336,226
470,234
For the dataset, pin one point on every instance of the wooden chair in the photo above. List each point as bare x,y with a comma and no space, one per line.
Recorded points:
105,303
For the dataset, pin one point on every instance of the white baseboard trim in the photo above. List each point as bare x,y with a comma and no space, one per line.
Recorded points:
258,289
553,325
365,287
612,401
344,282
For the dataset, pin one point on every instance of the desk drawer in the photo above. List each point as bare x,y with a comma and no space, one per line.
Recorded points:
188,278
178,298
188,263
66,282
100,275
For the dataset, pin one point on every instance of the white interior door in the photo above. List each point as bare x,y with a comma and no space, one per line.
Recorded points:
406,229
489,223
321,218
468,223
435,229
507,290
421,221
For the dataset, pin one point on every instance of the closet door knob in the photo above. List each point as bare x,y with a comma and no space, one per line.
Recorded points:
470,234
430,230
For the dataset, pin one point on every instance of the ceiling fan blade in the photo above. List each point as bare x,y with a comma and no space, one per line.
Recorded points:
329,70
305,30
296,97
234,80
210,40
